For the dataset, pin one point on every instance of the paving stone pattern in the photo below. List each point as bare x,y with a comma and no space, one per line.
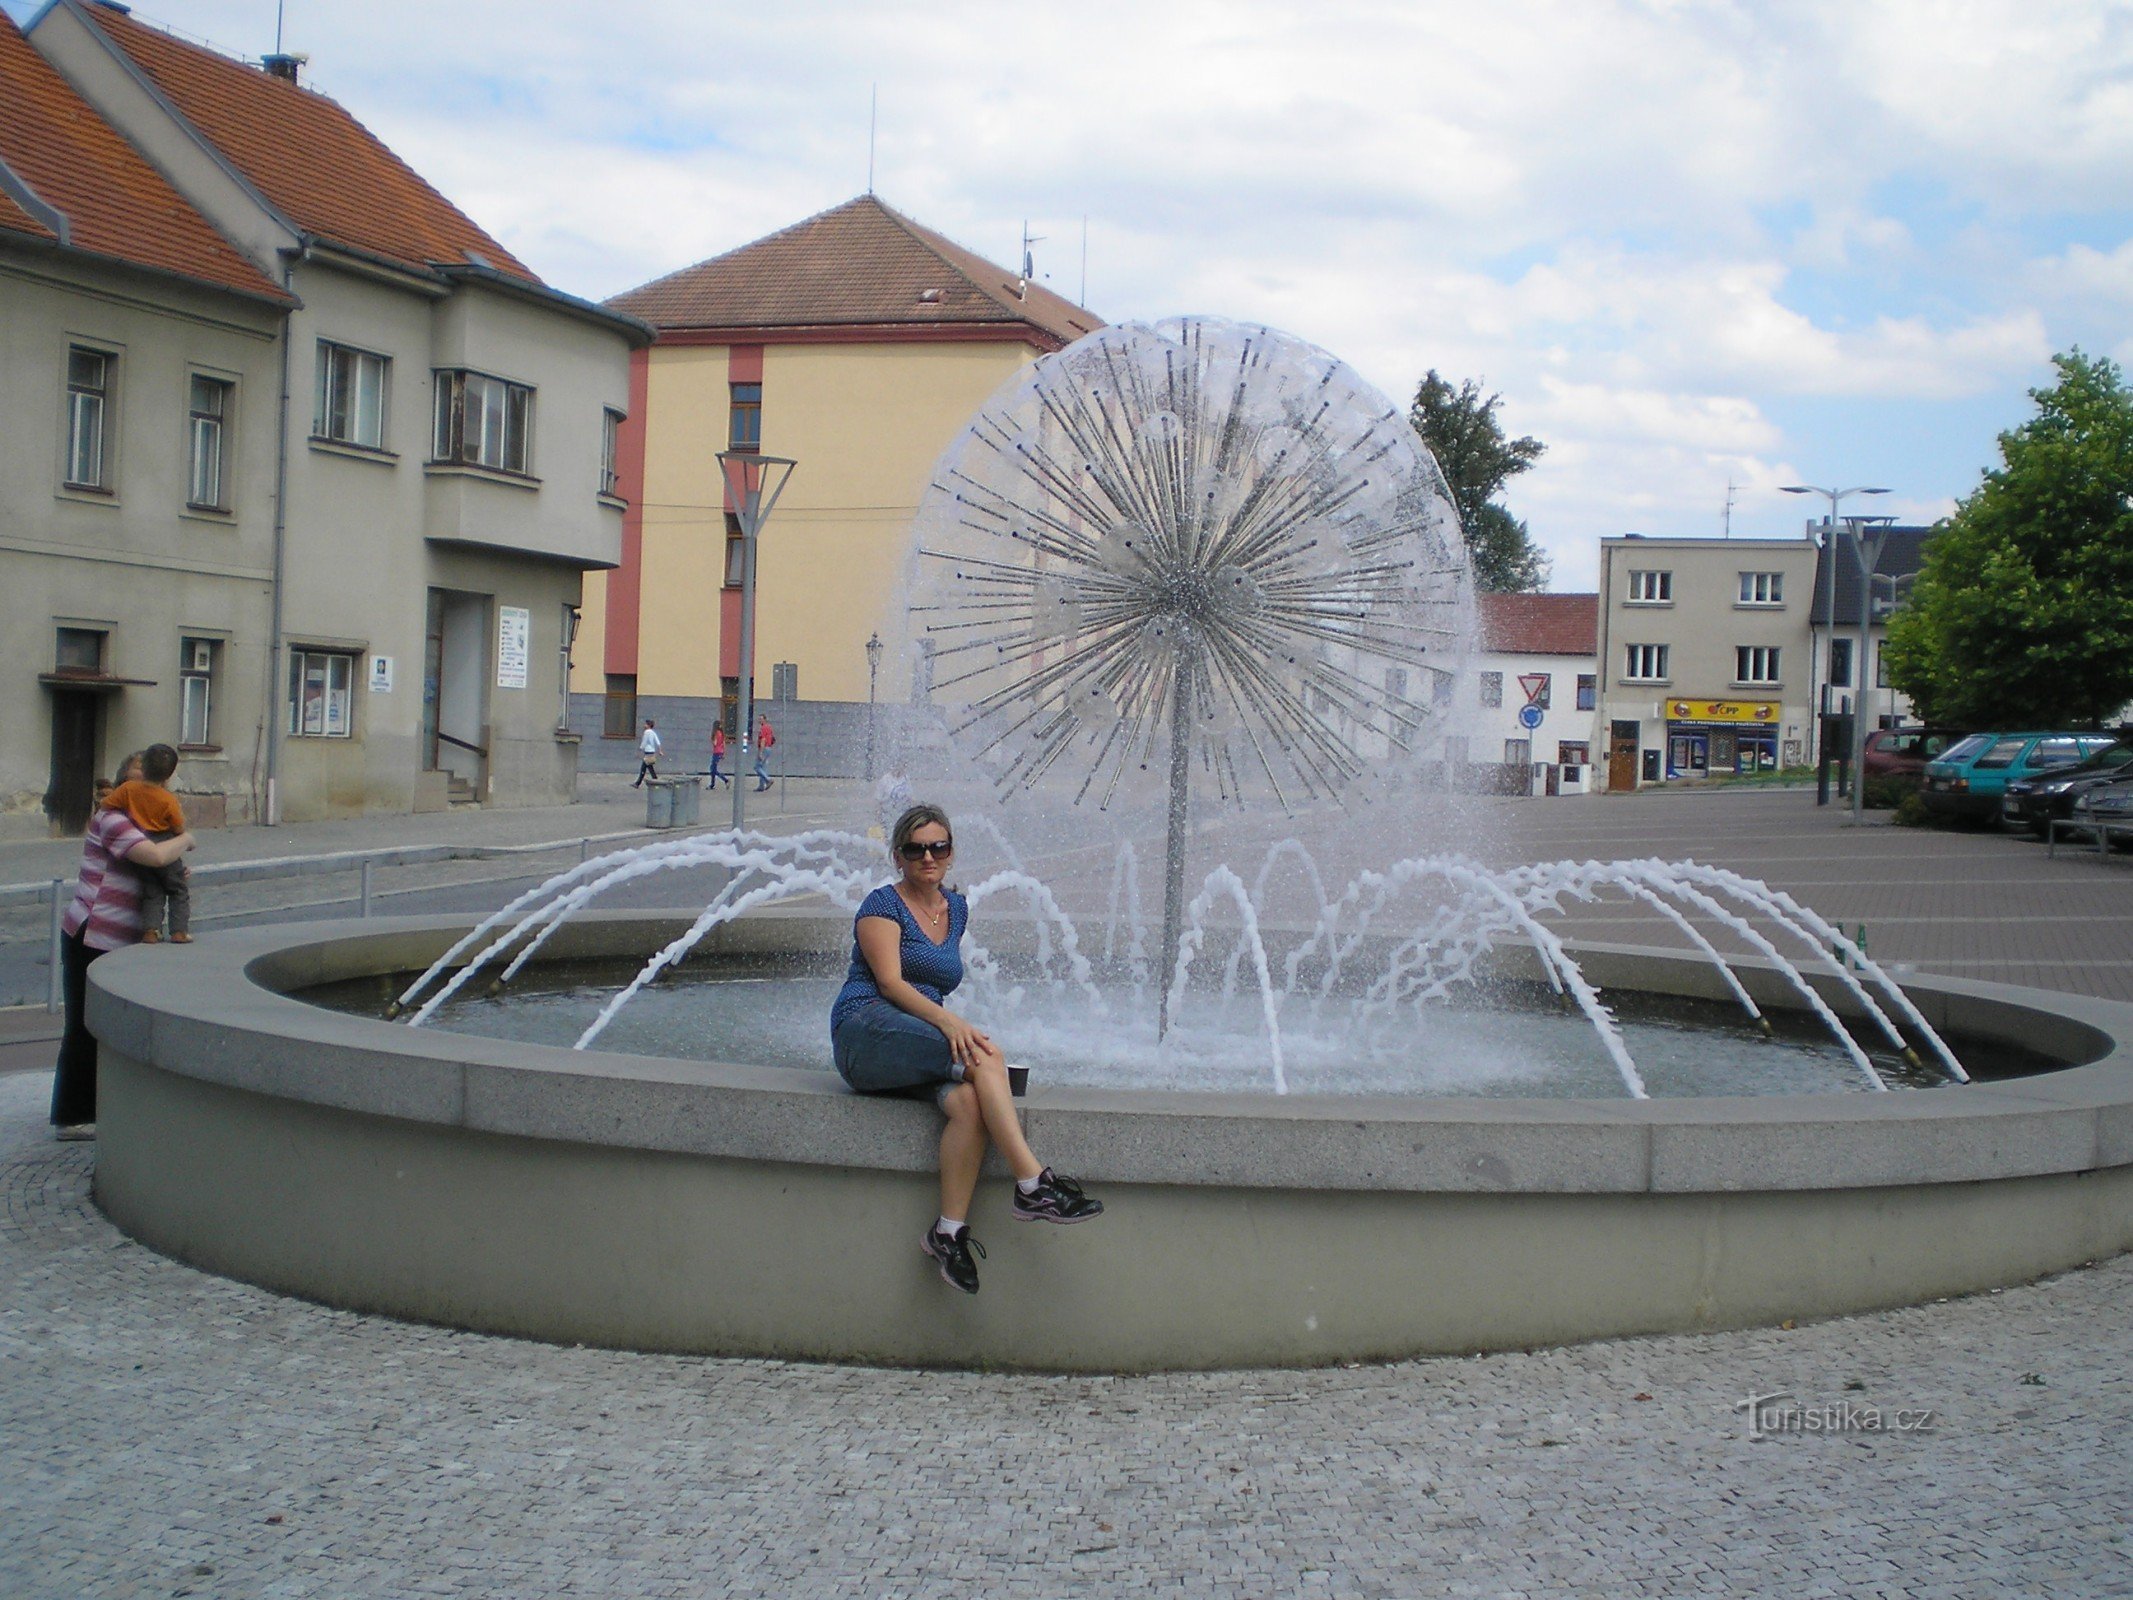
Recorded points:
169,1433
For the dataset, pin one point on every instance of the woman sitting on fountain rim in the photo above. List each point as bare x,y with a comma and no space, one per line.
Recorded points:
892,1035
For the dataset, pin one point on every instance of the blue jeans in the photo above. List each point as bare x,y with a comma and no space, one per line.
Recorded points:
883,1049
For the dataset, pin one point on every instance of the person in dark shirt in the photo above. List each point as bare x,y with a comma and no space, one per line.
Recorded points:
892,1034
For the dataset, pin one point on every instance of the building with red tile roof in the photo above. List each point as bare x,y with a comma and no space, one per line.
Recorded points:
1540,624
1536,682
401,450
857,342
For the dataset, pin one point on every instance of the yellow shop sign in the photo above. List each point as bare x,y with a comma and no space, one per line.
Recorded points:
1722,710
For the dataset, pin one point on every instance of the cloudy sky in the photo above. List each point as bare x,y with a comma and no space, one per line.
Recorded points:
1689,241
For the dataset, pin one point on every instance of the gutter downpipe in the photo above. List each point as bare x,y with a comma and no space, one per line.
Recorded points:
272,708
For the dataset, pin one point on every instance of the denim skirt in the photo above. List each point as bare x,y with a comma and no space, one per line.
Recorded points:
882,1049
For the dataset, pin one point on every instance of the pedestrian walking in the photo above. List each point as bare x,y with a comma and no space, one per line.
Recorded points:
648,748
765,737
718,756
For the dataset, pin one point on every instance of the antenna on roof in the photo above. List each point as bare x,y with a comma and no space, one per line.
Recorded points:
873,100
1084,300
1029,262
1729,508
279,7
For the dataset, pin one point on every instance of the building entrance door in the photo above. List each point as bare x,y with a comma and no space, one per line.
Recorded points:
1622,755
77,730
455,683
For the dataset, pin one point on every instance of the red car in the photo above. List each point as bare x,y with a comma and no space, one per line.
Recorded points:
1902,753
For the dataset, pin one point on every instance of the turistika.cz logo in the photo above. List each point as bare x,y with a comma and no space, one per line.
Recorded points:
1780,1412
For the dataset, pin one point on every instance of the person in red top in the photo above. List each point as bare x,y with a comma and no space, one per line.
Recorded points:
105,914
764,739
718,756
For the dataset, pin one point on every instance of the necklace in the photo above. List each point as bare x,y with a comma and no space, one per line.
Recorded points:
930,915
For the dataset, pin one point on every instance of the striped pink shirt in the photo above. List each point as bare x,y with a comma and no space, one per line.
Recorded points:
107,895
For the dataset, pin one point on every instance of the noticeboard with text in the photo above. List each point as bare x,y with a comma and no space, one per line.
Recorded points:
1722,710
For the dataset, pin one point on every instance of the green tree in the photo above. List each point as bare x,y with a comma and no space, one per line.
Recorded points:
1462,431
2022,616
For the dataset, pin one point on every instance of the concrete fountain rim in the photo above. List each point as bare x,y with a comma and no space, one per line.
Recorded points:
218,1012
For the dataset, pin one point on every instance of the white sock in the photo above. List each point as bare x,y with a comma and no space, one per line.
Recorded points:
1029,1185
949,1225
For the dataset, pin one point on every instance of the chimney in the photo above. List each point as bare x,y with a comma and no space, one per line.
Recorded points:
283,67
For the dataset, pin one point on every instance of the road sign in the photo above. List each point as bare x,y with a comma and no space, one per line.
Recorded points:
1529,717
1535,685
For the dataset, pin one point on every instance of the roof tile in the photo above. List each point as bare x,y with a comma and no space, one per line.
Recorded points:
322,169
1540,624
860,264
115,203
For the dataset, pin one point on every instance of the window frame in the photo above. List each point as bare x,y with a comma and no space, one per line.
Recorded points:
504,418
1659,658
1588,691
99,667
1850,647
333,355
1762,591
736,568
218,424
94,405
618,706
1658,580
1757,665
188,675
744,417
1490,685
611,452
330,699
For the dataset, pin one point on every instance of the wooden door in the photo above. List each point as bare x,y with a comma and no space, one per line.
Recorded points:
77,720
1622,755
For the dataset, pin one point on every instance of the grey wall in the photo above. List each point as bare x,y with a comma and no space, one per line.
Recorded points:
816,738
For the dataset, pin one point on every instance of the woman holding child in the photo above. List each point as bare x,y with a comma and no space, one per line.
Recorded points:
116,853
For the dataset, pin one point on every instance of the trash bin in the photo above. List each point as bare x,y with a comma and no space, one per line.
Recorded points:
671,802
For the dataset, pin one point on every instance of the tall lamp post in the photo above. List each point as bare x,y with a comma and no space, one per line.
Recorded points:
753,484
1829,615
873,648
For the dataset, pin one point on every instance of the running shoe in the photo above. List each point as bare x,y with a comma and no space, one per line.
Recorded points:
952,1251
1057,1198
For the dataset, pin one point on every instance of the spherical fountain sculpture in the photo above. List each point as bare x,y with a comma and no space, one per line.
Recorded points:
1181,572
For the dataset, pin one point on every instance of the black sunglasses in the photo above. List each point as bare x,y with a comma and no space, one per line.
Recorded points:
939,849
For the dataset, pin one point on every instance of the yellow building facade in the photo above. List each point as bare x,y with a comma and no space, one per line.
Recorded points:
857,344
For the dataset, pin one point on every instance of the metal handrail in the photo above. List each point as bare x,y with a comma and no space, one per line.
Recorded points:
472,749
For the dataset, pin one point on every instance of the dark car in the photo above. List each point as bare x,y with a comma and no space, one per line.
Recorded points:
1967,780
2109,801
1900,754
2032,803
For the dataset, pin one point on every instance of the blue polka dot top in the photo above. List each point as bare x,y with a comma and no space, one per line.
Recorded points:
932,969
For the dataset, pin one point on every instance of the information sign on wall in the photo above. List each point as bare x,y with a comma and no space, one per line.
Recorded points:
514,637
381,674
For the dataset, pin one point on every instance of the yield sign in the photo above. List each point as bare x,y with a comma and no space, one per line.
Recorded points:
1535,685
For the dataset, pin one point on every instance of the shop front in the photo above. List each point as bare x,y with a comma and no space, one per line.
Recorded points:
1704,737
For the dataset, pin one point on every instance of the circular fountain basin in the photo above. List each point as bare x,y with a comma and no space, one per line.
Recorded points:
659,1204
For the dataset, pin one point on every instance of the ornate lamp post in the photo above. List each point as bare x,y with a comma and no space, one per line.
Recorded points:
753,484
873,648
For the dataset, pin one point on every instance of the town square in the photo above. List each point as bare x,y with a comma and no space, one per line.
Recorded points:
1500,788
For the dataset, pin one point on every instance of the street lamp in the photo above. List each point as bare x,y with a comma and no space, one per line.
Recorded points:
873,648
753,483
1830,619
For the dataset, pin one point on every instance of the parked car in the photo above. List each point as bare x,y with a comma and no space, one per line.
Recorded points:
1900,754
2033,803
1970,777
2105,802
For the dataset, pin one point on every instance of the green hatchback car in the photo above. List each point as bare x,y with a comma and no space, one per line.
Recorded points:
1969,779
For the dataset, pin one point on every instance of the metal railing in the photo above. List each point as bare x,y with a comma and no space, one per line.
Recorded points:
58,892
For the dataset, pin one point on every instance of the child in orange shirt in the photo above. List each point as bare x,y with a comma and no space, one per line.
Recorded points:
155,811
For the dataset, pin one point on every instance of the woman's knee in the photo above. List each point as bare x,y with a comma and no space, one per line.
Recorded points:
990,1064
960,1103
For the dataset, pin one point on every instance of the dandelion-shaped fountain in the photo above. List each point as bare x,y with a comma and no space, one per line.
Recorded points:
1193,555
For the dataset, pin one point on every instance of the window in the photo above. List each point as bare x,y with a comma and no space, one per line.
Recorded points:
321,694
618,718
610,442
1517,752
79,650
1755,663
1588,691
1573,753
484,421
1440,692
2058,752
1455,748
1840,663
89,375
2003,752
567,640
207,427
744,429
1645,662
196,691
736,552
1396,683
1762,588
350,407
1492,688
1881,663
1651,588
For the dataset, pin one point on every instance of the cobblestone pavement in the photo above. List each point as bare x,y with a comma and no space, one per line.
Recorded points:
168,1433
